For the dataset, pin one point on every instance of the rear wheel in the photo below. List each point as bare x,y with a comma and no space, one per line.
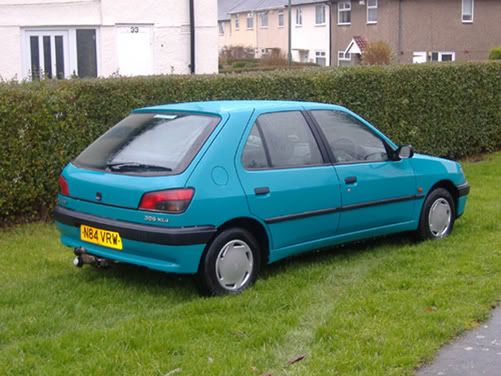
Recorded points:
437,216
230,263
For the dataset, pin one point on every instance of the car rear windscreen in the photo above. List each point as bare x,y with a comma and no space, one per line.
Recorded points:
149,143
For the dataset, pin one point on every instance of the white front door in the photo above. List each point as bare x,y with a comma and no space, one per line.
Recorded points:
134,50
48,54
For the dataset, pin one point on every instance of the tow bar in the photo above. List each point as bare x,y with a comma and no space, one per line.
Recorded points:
82,257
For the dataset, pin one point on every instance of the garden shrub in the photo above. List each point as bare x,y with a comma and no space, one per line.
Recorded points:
495,53
274,57
239,64
377,53
230,53
451,110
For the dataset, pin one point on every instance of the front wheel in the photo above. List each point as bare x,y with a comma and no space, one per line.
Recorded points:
230,263
437,216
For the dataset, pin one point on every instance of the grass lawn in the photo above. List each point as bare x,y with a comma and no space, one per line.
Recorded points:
378,308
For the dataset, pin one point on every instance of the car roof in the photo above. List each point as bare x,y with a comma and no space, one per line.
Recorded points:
229,106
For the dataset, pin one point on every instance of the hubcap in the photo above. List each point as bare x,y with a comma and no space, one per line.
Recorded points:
439,217
234,265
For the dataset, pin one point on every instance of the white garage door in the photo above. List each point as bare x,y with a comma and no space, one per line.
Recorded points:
134,50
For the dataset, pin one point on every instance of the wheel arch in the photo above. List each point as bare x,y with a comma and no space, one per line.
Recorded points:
450,187
253,226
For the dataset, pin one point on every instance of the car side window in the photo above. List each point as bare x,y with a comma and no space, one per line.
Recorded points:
288,141
254,155
350,140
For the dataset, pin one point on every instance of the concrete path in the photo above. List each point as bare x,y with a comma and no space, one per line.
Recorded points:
478,352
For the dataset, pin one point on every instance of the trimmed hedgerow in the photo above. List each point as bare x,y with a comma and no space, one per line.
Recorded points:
448,110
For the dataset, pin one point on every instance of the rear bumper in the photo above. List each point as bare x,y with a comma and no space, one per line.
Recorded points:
168,249
138,232
183,259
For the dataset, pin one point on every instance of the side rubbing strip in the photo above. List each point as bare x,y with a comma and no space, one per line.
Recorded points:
463,189
312,213
300,215
381,202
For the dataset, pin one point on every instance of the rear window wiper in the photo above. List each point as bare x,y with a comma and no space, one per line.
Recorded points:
119,166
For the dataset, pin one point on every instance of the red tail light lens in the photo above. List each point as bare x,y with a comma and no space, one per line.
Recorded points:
63,186
171,201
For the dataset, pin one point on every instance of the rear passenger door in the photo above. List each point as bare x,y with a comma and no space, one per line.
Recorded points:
288,181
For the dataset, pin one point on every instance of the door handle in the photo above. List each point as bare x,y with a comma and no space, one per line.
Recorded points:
350,180
261,191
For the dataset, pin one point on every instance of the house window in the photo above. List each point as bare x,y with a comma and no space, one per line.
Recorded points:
299,16
342,56
57,54
467,11
320,15
419,57
371,11
443,56
250,21
86,53
320,58
281,20
263,19
344,13
221,28
237,22
48,53
446,56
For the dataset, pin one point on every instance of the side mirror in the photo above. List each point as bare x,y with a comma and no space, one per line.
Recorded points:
405,152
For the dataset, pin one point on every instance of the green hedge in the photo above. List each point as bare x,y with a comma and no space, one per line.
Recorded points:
449,110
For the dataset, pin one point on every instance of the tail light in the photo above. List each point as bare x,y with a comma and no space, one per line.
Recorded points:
171,201
63,186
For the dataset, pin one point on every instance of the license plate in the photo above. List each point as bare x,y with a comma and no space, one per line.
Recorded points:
105,238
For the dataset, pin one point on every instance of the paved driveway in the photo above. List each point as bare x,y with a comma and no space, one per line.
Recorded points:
478,352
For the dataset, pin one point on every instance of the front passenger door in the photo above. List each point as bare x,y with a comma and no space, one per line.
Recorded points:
376,191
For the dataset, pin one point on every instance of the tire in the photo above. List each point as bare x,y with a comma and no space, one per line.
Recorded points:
230,263
437,216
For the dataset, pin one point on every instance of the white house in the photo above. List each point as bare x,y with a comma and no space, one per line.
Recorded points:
99,38
311,31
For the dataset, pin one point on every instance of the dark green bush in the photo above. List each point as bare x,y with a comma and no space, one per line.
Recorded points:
495,53
239,64
449,110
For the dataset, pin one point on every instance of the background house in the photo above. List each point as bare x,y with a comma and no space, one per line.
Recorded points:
417,30
259,24
224,21
311,31
263,26
90,38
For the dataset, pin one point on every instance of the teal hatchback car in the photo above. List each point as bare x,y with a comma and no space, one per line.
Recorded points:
219,189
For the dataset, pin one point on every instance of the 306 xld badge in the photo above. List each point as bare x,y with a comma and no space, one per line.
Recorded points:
151,218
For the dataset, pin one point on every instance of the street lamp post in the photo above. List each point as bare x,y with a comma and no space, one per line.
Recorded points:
289,53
